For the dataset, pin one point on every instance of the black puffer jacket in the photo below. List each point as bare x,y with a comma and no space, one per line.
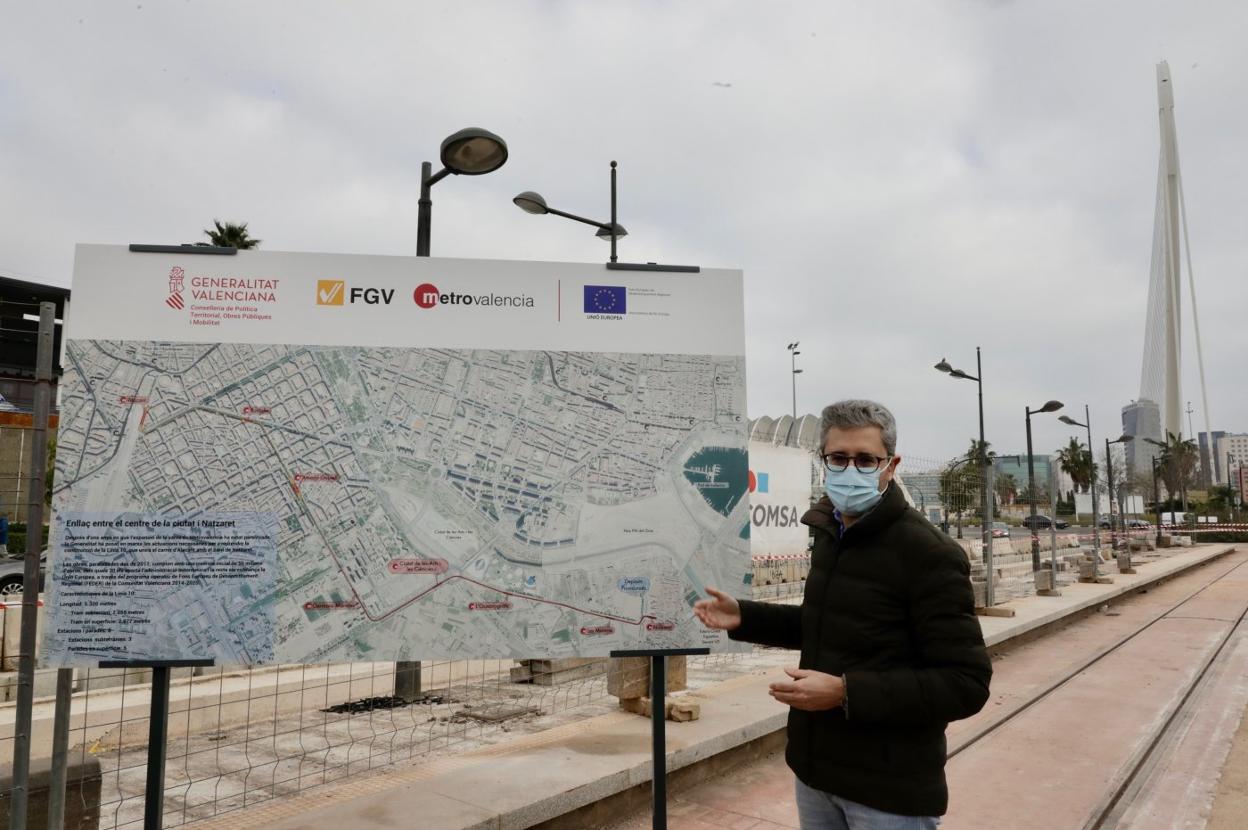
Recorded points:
889,606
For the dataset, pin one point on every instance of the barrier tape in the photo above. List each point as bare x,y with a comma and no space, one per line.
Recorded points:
5,606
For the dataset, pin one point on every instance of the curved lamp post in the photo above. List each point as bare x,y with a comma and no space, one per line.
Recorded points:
1051,406
532,202
986,484
1122,510
470,152
1096,519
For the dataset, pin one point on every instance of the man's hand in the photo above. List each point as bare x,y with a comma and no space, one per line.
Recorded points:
721,612
812,691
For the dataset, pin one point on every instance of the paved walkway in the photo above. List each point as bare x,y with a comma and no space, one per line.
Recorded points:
542,776
1050,766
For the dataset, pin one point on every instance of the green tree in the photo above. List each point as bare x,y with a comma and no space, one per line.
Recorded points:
1006,488
1176,462
959,487
1075,461
229,235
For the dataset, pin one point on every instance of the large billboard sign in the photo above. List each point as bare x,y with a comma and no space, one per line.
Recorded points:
297,458
780,484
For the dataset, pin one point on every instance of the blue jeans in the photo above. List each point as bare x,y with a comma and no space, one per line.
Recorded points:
817,810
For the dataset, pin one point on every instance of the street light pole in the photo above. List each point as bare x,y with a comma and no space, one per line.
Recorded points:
1096,519
1230,490
1051,406
532,202
1124,558
469,152
1156,499
793,353
985,476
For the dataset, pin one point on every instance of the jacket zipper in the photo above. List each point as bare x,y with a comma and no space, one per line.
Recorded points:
835,556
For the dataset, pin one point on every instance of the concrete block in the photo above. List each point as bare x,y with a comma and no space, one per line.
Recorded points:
684,711
628,677
554,672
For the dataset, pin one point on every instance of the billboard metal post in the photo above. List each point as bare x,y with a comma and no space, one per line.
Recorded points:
30,577
60,749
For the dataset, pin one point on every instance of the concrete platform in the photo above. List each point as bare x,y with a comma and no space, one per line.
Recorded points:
547,776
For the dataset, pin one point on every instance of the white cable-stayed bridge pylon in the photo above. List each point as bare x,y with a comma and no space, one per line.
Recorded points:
1161,373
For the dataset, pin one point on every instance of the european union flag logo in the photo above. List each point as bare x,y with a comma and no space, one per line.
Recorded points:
606,299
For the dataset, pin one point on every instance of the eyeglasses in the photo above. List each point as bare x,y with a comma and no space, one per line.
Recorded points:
836,462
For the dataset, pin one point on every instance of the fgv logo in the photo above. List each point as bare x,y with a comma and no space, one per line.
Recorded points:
606,302
758,482
335,292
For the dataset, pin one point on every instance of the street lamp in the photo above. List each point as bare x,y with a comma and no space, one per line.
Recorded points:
793,353
1096,521
1051,406
531,202
985,487
1231,495
1122,512
470,152
1156,498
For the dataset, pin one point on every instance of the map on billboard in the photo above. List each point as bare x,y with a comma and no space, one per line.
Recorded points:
301,458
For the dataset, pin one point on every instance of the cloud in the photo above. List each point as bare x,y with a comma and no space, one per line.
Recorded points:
900,182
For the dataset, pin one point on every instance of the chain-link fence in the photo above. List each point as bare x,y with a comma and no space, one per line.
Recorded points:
238,737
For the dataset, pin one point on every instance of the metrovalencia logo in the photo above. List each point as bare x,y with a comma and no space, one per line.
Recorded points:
427,295
606,302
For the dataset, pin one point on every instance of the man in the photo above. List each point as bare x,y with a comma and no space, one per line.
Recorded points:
891,650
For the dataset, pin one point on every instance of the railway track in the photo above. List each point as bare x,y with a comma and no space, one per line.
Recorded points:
1157,671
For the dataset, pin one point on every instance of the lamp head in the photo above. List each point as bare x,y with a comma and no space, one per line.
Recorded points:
531,202
605,233
473,151
1066,419
1051,406
943,366
1125,438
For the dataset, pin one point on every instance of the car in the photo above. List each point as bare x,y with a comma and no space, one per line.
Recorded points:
1043,522
13,575
1000,530
1139,524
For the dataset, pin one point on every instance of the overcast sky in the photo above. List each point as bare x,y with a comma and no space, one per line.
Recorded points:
899,181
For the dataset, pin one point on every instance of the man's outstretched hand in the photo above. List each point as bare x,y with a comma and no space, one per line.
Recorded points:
721,611
812,691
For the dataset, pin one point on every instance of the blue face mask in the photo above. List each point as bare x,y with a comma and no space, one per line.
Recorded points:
851,492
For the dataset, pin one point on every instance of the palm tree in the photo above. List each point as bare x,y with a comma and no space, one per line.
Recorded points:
229,235
979,451
1075,461
1177,463
1006,488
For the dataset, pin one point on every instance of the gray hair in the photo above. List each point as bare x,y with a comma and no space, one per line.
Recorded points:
855,414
